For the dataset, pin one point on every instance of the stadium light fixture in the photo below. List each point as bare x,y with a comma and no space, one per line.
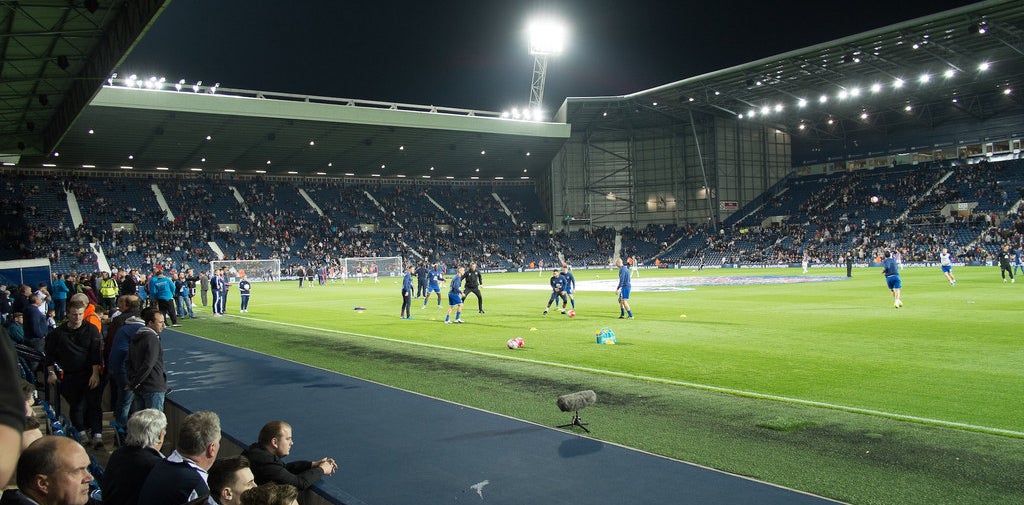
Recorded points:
898,83
801,103
924,78
547,37
823,99
949,73
984,66
876,88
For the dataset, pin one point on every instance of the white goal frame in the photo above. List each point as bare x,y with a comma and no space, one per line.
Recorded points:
255,270
361,267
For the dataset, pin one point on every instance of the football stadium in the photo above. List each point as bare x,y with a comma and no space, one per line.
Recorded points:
788,281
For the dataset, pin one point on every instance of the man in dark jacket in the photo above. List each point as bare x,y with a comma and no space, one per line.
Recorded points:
275,442
473,282
147,377
77,349
130,464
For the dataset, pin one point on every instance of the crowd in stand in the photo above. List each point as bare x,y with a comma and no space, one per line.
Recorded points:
110,339
829,217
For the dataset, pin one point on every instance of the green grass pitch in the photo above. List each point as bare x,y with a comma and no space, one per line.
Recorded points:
821,386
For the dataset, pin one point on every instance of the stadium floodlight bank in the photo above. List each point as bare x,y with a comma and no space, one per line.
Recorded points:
368,268
254,270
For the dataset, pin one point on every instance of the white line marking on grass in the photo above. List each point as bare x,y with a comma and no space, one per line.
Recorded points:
673,382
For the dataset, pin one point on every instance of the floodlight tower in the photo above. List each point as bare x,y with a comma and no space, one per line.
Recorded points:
547,38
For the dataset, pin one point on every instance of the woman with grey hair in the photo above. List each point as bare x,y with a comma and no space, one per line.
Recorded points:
130,464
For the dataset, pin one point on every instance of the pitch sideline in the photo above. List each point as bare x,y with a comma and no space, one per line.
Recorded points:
660,380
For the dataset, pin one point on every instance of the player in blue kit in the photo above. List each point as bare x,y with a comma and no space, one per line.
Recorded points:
891,271
434,279
569,284
623,290
455,298
557,283
407,292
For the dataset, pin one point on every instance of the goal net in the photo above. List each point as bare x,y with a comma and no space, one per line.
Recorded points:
254,270
368,268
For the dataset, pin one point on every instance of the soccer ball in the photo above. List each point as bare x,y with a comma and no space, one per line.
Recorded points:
572,313
520,342
512,344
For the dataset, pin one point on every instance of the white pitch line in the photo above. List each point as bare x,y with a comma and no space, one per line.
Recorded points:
662,380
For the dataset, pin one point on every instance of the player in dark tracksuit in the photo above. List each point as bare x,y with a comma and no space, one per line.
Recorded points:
473,281
557,283
1005,258
421,280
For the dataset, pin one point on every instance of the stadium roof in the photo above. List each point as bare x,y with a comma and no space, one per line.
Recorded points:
871,82
54,55
148,129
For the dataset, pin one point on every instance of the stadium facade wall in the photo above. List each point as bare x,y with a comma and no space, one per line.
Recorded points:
635,177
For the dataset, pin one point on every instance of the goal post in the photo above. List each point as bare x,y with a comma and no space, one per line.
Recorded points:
372,267
254,270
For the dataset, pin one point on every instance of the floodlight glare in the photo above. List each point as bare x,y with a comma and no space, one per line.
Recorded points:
802,103
898,83
876,87
822,98
843,94
949,73
855,92
778,107
765,110
547,37
984,66
924,78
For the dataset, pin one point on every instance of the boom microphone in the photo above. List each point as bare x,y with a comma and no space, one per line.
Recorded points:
576,401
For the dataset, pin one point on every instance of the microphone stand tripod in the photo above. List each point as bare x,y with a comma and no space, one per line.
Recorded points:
576,421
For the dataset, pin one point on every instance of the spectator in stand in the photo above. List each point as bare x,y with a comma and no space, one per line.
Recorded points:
146,375
60,294
129,283
229,478
274,443
130,464
20,299
117,362
271,494
76,347
162,290
204,286
16,329
181,478
184,299
54,470
12,412
35,328
108,292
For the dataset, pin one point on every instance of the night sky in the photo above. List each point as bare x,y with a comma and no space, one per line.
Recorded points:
472,53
